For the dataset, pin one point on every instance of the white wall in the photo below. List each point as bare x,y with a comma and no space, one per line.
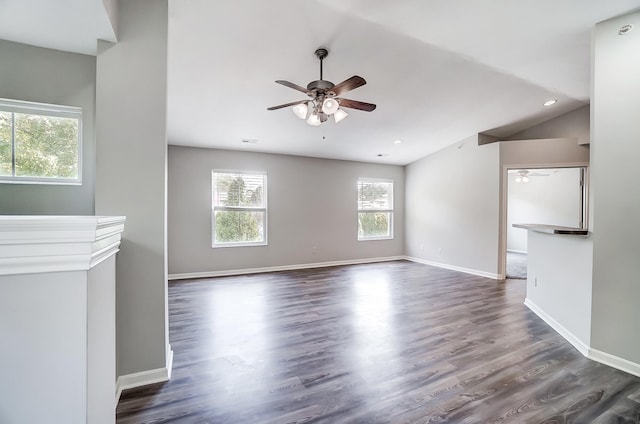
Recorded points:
51,76
312,211
615,155
452,207
131,176
554,199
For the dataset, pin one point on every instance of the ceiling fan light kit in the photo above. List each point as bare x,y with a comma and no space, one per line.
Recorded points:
340,115
324,101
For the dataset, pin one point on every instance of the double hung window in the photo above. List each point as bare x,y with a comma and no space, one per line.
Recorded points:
40,143
375,209
239,210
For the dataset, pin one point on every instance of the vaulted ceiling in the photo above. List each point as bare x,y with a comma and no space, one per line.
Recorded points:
439,70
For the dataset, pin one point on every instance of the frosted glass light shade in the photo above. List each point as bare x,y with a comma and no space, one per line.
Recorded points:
330,106
301,110
314,120
518,179
525,179
339,115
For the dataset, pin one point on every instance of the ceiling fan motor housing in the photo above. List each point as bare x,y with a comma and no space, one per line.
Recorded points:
320,86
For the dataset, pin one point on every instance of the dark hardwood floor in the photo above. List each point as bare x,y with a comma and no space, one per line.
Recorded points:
394,342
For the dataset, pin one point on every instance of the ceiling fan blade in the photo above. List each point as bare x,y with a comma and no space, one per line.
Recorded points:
292,85
348,85
287,105
355,104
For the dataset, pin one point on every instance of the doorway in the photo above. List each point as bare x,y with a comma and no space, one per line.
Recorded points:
550,196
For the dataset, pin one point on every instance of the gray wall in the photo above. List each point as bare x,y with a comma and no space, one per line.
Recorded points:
51,76
452,207
131,176
615,153
311,211
456,203
571,124
558,283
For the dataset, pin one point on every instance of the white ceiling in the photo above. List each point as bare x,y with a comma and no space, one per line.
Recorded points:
439,70
68,25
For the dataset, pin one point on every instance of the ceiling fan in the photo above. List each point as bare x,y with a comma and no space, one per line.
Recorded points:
522,175
324,97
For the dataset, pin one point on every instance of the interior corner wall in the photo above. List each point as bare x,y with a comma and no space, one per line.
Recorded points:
615,153
312,211
452,207
131,176
42,75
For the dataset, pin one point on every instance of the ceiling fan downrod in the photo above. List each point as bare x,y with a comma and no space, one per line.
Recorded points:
321,53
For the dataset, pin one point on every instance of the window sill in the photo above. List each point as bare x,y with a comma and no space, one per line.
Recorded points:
375,238
223,245
41,182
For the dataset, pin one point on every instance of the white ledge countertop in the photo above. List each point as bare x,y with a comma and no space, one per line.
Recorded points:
35,243
553,229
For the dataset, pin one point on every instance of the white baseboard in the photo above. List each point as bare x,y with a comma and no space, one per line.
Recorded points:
143,378
560,329
593,354
224,273
455,268
614,361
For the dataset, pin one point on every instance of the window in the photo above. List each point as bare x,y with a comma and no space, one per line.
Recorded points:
375,209
239,208
40,143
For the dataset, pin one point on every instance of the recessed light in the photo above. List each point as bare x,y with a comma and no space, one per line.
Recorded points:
249,140
550,102
397,141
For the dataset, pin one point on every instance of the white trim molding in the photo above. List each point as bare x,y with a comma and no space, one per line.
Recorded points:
614,361
144,378
587,351
559,328
455,268
33,244
225,273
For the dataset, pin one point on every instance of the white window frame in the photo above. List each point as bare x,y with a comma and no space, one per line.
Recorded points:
376,210
42,109
215,208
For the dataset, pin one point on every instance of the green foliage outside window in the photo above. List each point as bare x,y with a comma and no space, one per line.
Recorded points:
373,224
38,146
6,168
244,192
375,209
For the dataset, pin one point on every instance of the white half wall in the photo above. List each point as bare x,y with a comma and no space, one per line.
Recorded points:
53,321
312,211
452,207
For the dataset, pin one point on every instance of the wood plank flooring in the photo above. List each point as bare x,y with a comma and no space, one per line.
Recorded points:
394,342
